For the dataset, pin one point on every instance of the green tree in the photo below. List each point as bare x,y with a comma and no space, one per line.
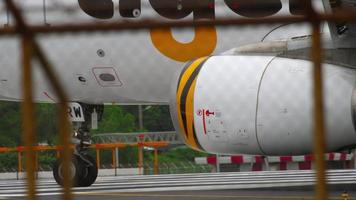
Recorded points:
179,154
157,118
46,120
8,162
116,120
10,124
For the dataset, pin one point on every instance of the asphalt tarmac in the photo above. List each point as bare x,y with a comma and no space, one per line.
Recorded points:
288,194
225,186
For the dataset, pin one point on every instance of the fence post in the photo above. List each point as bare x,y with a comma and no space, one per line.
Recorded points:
117,159
141,139
217,163
19,157
140,158
58,154
113,157
155,160
36,161
265,159
98,158
353,159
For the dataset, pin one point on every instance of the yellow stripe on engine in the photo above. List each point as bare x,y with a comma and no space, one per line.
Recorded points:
189,110
187,74
182,82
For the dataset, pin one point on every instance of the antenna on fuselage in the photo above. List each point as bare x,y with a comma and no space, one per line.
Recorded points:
7,18
45,14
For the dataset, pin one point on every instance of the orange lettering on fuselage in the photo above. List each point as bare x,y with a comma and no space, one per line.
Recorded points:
203,44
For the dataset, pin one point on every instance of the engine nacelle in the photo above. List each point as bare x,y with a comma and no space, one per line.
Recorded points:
261,105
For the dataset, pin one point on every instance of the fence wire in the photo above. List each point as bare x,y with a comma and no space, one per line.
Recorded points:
128,52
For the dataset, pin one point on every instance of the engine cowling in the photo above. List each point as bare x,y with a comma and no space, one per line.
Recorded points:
233,104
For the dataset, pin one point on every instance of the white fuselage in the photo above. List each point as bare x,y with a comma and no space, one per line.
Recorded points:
120,67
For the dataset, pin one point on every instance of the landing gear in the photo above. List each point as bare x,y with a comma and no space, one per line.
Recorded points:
89,173
83,170
74,171
82,173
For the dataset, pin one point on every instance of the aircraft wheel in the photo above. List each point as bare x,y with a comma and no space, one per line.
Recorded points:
89,173
75,170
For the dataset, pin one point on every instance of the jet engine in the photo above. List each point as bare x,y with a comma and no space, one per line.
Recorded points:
261,104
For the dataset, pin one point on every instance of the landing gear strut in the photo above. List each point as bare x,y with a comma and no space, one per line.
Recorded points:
83,169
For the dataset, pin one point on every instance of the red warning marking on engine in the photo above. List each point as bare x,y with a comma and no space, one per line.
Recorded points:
200,112
204,114
204,124
208,113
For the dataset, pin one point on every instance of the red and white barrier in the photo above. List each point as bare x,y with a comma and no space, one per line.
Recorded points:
256,163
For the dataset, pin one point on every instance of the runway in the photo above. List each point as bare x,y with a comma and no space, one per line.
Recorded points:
251,185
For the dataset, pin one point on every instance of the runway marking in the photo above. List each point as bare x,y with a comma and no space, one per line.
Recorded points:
161,184
201,196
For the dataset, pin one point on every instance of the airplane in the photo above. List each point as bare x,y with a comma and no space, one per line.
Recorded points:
230,89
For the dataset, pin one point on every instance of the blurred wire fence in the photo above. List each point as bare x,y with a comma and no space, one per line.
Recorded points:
234,104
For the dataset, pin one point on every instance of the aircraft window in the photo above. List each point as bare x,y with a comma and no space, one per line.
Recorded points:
255,8
102,9
130,8
107,77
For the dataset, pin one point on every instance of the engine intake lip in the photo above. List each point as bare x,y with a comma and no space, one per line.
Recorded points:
353,106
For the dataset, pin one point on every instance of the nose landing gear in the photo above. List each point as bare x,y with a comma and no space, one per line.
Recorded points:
83,169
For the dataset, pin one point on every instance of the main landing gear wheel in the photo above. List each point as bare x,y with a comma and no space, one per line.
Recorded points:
82,171
89,171
75,170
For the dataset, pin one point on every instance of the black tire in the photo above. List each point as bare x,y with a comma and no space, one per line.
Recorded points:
89,172
76,169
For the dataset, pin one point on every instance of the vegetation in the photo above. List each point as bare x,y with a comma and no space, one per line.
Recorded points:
115,119
10,124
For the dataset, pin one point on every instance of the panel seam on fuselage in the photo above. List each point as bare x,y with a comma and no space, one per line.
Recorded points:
257,102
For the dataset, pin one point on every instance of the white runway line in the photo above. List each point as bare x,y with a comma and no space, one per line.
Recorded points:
181,182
